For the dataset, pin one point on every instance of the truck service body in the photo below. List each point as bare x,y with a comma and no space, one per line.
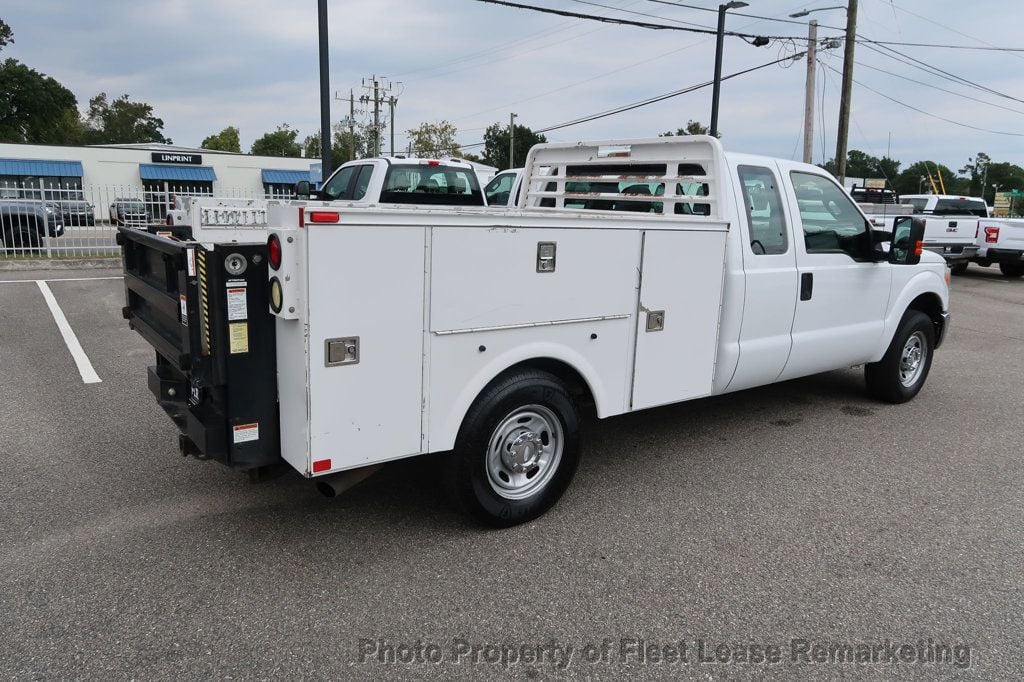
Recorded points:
632,274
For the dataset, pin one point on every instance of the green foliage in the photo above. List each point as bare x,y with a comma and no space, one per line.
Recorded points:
35,108
280,142
224,141
345,145
496,145
862,165
122,121
692,128
914,180
6,34
434,139
1007,176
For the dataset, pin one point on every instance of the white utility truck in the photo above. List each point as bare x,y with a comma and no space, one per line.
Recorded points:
632,274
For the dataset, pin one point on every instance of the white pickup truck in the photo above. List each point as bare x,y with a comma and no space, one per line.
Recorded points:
632,274
383,180
951,223
1000,241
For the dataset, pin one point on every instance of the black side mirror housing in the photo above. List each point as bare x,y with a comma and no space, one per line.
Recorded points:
301,189
907,241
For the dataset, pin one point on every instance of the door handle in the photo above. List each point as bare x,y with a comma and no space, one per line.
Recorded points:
806,286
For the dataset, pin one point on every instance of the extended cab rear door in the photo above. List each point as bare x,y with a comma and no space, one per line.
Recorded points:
843,294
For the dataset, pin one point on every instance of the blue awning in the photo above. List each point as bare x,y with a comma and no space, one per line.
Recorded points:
272,176
153,171
26,167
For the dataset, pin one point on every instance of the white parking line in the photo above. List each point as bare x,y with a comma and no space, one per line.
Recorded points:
89,375
57,279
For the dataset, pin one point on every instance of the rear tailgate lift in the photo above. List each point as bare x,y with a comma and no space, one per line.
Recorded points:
206,315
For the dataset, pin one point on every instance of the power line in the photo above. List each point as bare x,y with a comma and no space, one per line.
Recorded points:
928,113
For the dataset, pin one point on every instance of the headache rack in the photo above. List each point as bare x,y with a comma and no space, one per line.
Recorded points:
670,177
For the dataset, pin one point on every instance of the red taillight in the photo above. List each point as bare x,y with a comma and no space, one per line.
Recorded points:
991,235
323,216
433,163
274,251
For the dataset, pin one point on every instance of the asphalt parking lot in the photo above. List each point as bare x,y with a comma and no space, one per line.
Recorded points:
793,516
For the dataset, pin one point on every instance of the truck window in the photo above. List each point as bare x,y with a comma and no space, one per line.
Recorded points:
831,221
764,210
961,207
499,188
337,187
423,184
362,181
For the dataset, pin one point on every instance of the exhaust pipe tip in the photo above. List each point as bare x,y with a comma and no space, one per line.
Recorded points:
326,489
335,484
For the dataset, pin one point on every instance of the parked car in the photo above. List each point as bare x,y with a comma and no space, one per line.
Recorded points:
76,212
25,222
129,212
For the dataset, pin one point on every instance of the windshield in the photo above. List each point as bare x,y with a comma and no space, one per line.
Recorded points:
423,184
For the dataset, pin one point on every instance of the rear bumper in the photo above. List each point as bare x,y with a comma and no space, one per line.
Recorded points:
953,252
942,329
1001,255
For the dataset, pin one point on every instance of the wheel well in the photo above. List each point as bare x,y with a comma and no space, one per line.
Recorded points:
930,305
574,381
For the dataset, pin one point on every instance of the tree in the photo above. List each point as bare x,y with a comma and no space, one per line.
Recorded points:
434,139
280,142
862,165
35,108
914,180
6,34
692,128
345,145
496,144
224,141
1005,176
122,121
976,169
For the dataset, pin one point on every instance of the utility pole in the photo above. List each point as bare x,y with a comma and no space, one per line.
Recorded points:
812,52
325,92
381,95
512,140
844,101
392,101
351,126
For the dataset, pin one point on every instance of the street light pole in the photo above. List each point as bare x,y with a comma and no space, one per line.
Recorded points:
325,92
512,140
719,44
812,51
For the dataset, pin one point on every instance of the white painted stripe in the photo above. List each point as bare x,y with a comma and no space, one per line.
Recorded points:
59,279
89,375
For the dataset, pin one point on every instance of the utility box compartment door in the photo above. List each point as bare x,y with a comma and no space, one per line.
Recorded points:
679,310
365,343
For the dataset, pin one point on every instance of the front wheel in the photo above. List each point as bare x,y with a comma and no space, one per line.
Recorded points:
1011,269
517,450
902,371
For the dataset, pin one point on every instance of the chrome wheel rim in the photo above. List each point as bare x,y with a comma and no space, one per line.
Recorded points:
524,451
912,359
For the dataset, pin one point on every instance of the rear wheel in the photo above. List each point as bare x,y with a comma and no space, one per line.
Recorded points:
902,371
958,268
517,450
1012,269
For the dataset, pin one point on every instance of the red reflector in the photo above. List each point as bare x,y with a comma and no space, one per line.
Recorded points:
433,163
274,251
321,465
302,217
991,235
918,247
324,216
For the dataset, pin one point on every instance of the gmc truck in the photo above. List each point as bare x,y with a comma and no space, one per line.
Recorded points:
631,274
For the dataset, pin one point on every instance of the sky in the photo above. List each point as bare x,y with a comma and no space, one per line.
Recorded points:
254,64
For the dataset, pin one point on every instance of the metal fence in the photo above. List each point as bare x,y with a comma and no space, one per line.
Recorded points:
45,220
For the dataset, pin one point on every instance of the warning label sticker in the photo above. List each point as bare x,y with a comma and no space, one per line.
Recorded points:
243,433
190,255
238,337
184,309
237,309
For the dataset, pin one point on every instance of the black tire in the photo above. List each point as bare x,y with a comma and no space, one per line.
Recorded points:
885,379
493,413
1011,269
958,268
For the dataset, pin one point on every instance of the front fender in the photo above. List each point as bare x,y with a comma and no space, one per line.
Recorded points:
927,282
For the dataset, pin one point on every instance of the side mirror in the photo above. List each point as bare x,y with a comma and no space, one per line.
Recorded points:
907,241
301,189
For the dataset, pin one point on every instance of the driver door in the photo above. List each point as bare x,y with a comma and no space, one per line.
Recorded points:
842,293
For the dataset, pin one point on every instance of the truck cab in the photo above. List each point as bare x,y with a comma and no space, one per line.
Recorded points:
399,180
